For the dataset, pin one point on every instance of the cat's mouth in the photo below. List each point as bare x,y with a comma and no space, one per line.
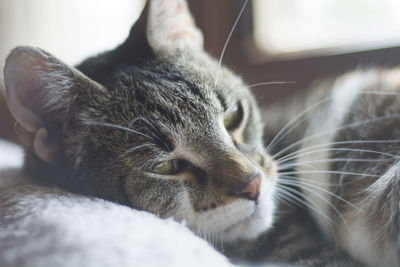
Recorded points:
249,226
241,219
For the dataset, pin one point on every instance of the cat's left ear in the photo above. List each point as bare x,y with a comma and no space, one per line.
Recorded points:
42,93
170,26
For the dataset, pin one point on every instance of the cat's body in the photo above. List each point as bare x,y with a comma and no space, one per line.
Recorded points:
160,126
339,157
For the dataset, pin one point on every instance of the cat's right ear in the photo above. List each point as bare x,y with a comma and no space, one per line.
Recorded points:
41,92
171,26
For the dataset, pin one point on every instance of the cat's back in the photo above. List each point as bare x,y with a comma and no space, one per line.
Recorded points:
347,159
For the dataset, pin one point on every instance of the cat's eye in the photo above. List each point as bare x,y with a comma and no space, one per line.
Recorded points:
165,168
233,116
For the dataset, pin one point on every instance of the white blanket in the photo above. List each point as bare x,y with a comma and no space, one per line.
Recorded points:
42,226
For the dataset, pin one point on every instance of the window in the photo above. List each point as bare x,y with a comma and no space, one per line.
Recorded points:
69,29
317,27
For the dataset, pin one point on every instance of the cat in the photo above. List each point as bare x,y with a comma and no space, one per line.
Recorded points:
158,125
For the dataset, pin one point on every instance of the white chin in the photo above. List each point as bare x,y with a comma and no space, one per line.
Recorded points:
251,227
242,219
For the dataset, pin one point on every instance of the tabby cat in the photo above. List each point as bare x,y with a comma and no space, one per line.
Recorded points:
158,125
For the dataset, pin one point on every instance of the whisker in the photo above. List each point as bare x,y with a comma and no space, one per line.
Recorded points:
292,165
284,198
282,195
290,178
352,142
354,180
270,83
226,44
106,124
130,150
278,137
329,160
378,93
287,132
308,203
330,204
332,172
302,185
354,124
301,153
148,123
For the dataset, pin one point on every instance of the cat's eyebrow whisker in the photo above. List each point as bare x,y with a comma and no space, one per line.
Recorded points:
304,186
271,83
106,124
149,124
311,151
279,136
130,150
226,45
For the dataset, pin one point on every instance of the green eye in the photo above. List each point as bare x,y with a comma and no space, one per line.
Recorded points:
165,168
233,117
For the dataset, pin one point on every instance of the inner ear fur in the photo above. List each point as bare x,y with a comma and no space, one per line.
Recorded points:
171,26
40,90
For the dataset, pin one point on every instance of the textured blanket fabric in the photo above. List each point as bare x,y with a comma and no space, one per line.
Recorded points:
42,226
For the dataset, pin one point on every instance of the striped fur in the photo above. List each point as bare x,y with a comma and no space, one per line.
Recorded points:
102,127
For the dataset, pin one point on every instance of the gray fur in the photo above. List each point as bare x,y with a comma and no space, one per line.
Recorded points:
103,127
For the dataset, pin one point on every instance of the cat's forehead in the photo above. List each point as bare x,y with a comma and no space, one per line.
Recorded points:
178,85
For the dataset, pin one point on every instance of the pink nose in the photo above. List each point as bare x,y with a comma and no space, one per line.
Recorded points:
252,189
249,190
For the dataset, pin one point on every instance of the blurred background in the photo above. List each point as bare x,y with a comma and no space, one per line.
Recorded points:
275,40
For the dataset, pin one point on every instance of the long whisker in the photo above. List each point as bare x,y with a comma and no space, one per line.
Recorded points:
303,185
226,44
329,160
278,137
300,154
130,150
294,164
272,143
270,83
308,203
291,177
332,172
282,196
339,184
352,142
329,203
145,121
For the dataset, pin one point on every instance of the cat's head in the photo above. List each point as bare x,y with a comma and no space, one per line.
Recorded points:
160,128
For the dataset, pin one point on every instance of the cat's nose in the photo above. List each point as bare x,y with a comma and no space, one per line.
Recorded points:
250,189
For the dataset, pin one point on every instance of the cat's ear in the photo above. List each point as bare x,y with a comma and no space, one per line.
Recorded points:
170,26
40,92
